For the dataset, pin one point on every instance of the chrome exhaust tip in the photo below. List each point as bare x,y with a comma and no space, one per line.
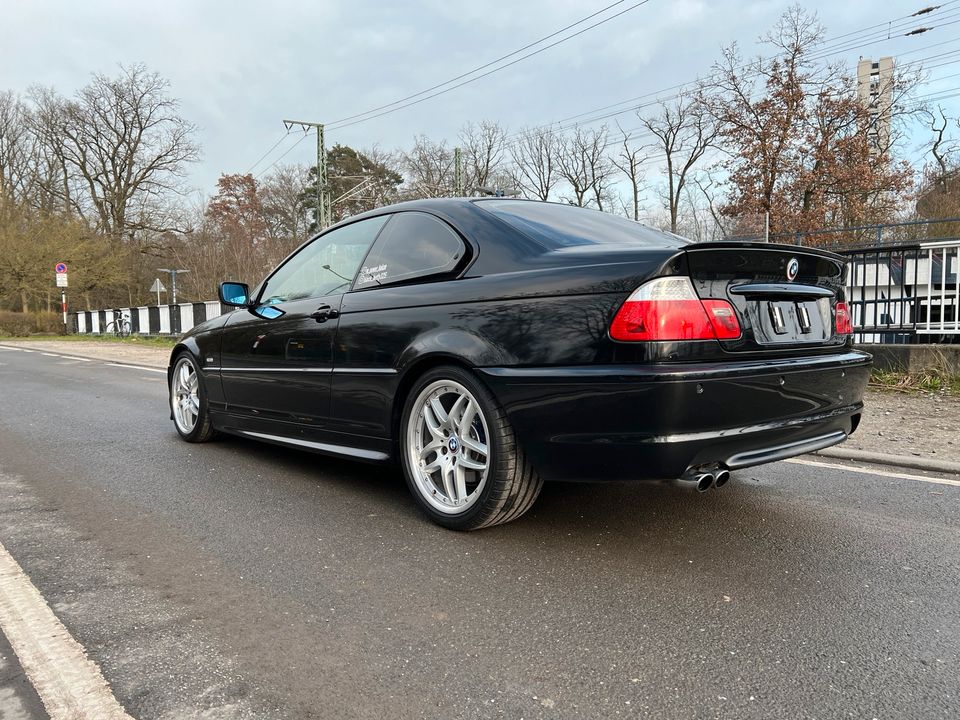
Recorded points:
704,481
722,477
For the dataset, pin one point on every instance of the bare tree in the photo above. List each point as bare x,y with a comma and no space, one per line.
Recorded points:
629,160
484,149
583,163
281,194
429,169
127,147
942,147
534,155
683,132
16,148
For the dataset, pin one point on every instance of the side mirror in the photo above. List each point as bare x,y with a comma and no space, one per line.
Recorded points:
234,293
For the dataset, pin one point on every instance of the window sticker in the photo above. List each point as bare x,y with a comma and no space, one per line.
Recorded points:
373,274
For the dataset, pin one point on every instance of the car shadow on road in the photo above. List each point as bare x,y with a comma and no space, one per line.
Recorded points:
752,508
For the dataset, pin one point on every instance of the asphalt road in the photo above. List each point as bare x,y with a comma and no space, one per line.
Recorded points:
237,580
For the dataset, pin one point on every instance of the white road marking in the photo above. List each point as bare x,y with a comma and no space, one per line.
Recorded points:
138,367
881,473
51,355
69,684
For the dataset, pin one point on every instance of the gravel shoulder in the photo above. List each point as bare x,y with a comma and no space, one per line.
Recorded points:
914,423
112,351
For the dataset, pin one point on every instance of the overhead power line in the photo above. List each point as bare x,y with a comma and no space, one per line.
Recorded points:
481,67
494,70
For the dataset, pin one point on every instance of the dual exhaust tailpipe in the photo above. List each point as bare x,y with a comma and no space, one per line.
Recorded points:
706,479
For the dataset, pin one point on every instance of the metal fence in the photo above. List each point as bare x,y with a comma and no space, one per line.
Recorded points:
911,232
905,293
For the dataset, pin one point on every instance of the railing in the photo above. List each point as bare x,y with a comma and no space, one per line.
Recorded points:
148,319
905,293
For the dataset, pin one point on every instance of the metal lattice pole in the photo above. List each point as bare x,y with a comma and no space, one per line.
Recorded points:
323,209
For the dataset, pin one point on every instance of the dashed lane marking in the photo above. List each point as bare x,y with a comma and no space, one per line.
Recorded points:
51,355
881,473
67,681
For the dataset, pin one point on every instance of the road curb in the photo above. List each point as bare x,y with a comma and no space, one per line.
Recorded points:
905,461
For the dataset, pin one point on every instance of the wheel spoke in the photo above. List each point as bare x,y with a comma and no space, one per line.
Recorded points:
432,466
431,447
471,464
460,480
438,412
433,424
449,486
458,409
184,375
474,445
192,383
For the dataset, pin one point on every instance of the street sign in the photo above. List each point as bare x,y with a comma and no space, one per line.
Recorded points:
61,279
60,268
157,286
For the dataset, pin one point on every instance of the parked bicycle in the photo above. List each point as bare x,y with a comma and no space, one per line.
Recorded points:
120,325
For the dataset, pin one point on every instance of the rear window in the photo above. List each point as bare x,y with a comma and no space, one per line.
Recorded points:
557,226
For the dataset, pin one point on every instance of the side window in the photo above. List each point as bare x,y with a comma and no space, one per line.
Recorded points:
326,265
412,245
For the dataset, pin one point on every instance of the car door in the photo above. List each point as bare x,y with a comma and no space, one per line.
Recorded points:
277,355
385,311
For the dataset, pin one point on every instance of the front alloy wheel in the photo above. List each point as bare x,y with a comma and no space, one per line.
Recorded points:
460,456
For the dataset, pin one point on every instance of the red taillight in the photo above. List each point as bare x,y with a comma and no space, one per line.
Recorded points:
843,322
668,309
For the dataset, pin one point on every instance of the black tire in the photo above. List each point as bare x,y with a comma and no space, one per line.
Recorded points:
511,486
202,429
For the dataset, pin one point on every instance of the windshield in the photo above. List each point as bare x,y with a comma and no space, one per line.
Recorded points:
556,226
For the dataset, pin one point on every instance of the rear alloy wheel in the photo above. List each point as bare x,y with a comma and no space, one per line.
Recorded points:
460,456
188,401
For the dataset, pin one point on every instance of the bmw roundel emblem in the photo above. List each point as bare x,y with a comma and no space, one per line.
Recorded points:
454,444
793,267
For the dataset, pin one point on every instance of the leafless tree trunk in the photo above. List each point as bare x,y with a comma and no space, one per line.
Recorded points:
484,149
126,145
283,207
583,163
629,160
941,148
534,156
429,169
684,131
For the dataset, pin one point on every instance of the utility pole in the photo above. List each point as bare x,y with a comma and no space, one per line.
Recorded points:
457,173
323,189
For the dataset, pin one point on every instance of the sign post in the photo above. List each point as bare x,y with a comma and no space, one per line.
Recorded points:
61,270
158,288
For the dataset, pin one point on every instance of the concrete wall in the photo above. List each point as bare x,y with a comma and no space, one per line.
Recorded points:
915,358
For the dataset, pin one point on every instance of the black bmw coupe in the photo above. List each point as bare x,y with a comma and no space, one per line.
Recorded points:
490,344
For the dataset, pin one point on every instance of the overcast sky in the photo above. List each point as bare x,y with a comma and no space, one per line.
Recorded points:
239,68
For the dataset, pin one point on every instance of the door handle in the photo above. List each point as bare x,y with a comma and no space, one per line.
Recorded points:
324,313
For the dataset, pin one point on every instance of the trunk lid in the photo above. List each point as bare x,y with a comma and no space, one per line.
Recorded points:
784,296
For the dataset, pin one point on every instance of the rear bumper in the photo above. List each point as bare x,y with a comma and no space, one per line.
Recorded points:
599,423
